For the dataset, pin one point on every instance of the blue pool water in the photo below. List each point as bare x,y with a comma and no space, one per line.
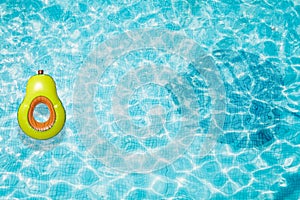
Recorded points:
164,99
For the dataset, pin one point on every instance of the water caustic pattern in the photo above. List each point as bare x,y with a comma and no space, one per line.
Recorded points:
164,99
151,105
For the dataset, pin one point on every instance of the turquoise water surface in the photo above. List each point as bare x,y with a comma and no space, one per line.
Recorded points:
164,99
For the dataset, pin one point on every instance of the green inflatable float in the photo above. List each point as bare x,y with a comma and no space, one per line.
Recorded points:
41,89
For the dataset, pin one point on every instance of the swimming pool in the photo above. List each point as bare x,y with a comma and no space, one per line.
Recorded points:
164,100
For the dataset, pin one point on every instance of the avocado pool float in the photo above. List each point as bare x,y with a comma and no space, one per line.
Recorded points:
41,89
